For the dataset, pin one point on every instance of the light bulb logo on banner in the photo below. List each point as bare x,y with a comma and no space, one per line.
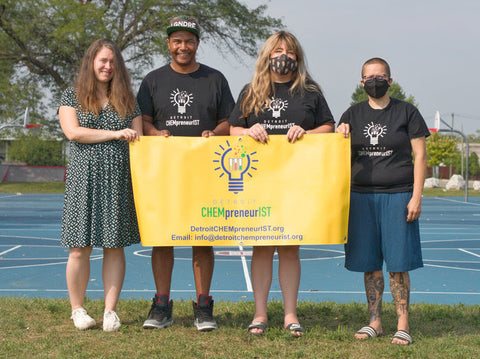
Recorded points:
236,162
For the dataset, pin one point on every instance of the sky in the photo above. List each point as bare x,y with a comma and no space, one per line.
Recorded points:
432,46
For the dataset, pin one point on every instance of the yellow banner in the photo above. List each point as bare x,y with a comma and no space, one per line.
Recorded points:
230,191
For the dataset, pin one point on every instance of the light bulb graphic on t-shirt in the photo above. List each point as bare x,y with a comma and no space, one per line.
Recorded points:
374,131
182,99
277,105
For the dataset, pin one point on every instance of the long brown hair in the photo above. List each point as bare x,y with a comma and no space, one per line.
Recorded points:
262,87
120,92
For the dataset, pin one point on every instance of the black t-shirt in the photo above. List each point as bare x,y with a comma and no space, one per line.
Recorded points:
381,148
185,104
286,110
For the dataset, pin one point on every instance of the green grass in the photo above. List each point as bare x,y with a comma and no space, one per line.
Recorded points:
59,187
32,187
442,192
41,328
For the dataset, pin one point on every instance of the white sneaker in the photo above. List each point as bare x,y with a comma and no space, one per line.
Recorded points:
82,320
111,322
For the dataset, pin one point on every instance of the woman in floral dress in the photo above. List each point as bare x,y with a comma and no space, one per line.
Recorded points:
99,115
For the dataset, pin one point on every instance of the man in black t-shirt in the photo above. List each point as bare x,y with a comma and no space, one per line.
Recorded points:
184,98
386,195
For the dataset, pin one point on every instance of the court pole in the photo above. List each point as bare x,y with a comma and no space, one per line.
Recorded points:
467,154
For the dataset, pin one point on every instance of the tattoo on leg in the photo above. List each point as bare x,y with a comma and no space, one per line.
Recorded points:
400,288
374,286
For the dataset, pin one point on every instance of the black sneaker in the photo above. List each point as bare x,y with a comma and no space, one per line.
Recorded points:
160,315
203,311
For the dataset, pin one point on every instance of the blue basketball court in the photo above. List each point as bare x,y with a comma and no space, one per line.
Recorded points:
32,262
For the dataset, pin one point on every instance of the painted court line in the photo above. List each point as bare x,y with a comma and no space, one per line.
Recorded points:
34,265
9,250
35,258
450,240
468,252
32,229
456,201
245,270
445,249
46,264
450,267
9,196
25,237
448,233
449,261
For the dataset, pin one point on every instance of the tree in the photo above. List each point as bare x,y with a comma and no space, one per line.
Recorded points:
42,42
474,138
473,165
440,149
35,151
395,91
12,106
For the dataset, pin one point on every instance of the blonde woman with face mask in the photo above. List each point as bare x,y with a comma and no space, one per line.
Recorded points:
281,99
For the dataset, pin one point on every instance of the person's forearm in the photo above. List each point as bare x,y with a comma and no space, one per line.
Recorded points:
222,129
137,125
238,131
419,166
90,135
149,129
74,132
325,128
419,170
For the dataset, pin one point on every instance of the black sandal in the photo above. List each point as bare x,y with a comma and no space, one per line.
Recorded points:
257,325
295,330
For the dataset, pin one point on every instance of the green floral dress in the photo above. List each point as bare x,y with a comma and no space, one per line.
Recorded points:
98,209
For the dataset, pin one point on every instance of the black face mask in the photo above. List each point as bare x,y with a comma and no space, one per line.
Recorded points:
376,88
283,64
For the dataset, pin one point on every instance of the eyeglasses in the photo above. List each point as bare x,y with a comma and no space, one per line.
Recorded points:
376,77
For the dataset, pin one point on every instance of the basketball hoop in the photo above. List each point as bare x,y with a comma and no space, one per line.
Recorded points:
437,121
26,120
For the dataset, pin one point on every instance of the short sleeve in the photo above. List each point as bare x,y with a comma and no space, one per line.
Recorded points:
144,99
346,117
226,101
236,119
137,111
323,115
416,124
69,98
352,113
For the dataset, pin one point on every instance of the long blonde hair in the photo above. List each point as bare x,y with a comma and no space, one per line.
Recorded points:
262,87
120,92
